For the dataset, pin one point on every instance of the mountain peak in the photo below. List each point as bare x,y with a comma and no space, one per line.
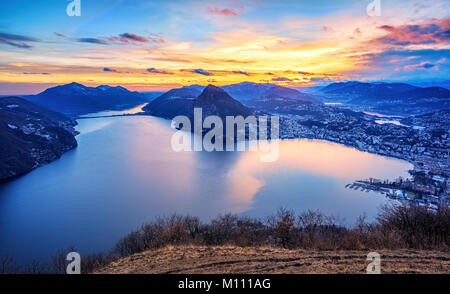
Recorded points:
121,88
74,85
215,101
213,93
103,87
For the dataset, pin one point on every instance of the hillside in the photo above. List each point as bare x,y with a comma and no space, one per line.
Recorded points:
266,260
31,135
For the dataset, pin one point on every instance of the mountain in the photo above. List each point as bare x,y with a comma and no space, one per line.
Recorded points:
436,83
215,101
31,136
398,98
76,99
151,95
430,92
278,99
264,97
174,102
212,101
248,92
367,90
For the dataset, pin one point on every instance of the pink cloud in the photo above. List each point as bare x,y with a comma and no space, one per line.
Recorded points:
430,32
396,60
133,38
425,65
224,12
422,65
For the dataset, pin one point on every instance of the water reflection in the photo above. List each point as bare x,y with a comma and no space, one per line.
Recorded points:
313,175
132,110
325,159
395,122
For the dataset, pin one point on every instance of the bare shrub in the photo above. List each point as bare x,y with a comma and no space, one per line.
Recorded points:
417,227
7,265
133,243
179,229
284,228
221,230
319,231
234,230
58,262
251,232
90,262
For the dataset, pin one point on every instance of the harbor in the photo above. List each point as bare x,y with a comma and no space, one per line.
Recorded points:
412,198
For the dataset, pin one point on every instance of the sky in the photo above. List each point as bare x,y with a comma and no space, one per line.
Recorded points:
159,45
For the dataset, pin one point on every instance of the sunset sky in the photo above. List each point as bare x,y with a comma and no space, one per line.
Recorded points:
158,45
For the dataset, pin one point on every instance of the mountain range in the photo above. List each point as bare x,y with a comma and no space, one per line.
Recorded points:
399,98
396,98
75,99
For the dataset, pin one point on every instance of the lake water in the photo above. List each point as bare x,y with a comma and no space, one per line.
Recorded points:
124,173
133,110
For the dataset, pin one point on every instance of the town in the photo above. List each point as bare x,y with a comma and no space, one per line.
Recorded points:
421,140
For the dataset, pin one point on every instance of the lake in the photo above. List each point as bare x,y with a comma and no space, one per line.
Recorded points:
124,173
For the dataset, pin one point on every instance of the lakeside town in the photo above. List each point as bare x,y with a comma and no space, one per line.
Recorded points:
421,140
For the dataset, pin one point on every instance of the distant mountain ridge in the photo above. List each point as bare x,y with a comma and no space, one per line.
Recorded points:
370,89
389,97
247,91
76,99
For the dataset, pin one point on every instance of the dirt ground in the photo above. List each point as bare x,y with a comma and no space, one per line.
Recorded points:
265,260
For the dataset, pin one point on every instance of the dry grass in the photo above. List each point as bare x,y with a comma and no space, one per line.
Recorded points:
265,260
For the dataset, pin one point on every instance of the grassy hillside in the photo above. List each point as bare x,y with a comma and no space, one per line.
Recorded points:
267,260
